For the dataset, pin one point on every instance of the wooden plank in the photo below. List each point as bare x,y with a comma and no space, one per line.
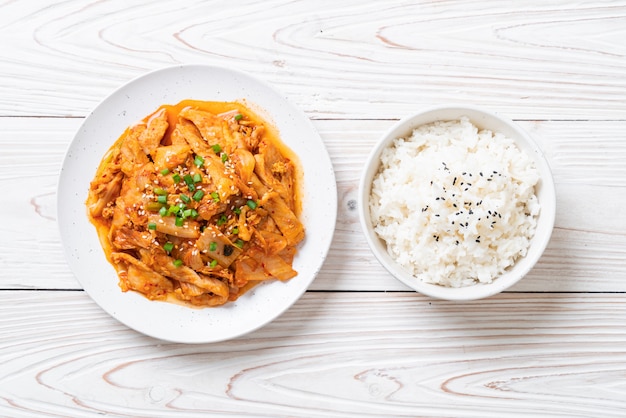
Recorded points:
368,354
585,254
350,59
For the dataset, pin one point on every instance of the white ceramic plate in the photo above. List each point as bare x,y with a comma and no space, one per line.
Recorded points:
131,103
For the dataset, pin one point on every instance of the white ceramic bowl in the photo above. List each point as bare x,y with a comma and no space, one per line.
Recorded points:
544,190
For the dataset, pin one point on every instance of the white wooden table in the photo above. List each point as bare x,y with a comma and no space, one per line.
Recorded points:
358,343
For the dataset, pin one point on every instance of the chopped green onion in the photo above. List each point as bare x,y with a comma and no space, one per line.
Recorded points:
216,148
238,116
185,198
235,230
178,262
213,263
197,178
187,213
176,178
239,243
189,181
179,222
173,209
163,211
160,191
199,161
197,196
165,171
224,157
153,206
194,213
213,246
168,247
251,204
237,211
222,220
162,199
215,196
151,226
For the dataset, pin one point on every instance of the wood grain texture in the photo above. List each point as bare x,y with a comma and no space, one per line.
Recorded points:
586,252
357,344
349,59
390,354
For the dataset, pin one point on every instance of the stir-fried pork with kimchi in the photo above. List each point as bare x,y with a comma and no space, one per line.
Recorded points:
197,203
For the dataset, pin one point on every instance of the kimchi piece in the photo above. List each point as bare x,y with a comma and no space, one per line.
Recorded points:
197,203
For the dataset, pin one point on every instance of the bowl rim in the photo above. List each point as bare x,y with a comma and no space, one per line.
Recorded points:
482,118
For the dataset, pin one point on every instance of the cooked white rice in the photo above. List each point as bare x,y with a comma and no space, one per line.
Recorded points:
455,206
